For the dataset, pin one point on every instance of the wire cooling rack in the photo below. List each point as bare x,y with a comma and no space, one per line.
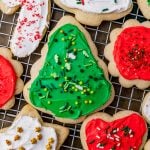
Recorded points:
125,99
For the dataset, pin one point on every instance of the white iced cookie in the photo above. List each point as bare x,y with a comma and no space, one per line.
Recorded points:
29,132
99,6
93,12
32,23
146,107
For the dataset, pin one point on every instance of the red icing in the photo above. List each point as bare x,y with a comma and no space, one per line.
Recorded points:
23,23
106,136
132,53
7,81
82,2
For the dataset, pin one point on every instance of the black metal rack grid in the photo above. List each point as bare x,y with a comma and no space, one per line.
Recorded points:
125,99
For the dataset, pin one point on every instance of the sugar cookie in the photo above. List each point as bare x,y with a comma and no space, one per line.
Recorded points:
129,54
31,25
93,12
28,131
125,130
69,80
10,82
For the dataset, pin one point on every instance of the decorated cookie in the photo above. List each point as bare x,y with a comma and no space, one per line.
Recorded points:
144,7
29,132
147,145
93,12
129,54
146,107
10,82
69,80
126,130
31,25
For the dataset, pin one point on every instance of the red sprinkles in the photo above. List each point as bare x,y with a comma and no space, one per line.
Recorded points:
29,23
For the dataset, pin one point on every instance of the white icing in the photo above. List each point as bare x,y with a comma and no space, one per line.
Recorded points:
98,6
71,56
34,12
28,124
146,108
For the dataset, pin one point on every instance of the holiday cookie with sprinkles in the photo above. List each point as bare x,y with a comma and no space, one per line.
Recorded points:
69,81
31,26
126,130
28,131
10,82
93,12
128,54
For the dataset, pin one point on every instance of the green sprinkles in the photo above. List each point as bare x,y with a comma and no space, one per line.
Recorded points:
63,82
105,9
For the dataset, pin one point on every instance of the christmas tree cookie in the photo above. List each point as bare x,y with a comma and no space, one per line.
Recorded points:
29,132
126,130
144,7
69,81
93,12
129,54
10,82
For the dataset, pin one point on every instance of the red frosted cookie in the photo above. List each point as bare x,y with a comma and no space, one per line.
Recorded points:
129,54
10,82
120,132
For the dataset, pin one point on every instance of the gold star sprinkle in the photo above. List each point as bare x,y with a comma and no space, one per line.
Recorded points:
20,129
17,137
34,141
8,142
37,129
21,148
51,140
39,136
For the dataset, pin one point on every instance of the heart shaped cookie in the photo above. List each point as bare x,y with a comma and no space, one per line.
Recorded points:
69,81
126,130
93,12
31,25
129,54
144,7
10,82
29,132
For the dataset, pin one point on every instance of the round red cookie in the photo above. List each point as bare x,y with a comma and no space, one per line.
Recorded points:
7,81
132,53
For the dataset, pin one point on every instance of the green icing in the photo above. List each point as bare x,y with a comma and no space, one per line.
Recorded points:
70,84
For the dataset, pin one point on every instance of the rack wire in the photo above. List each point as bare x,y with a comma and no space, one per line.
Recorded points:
125,99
